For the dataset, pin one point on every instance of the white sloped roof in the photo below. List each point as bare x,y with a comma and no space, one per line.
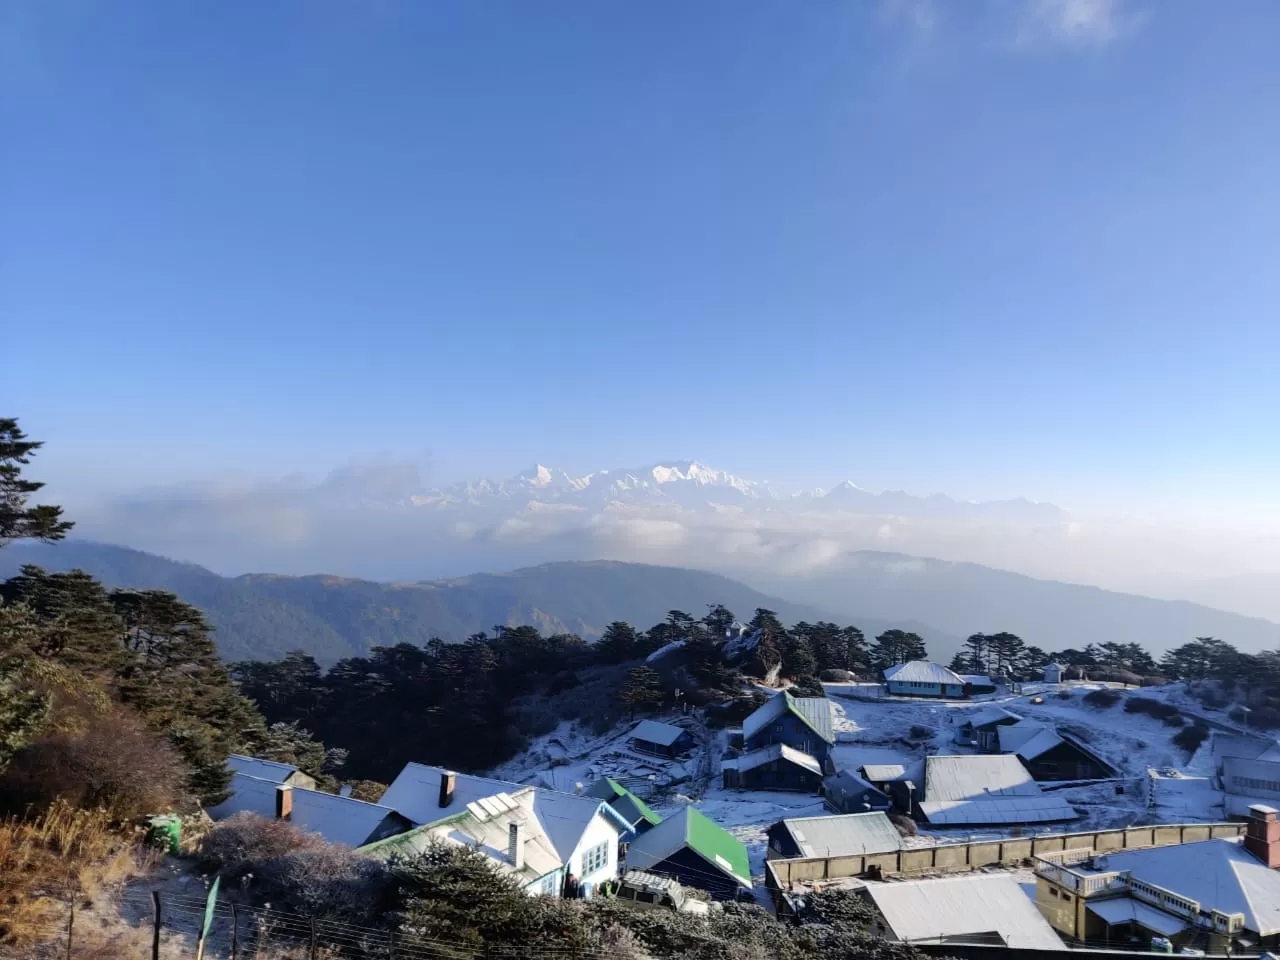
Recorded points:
952,907
976,776
846,835
997,810
415,794
980,718
1243,747
1127,910
337,819
271,770
1218,874
776,751
651,731
923,671
1028,738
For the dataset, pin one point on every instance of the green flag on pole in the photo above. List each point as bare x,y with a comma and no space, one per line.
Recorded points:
210,902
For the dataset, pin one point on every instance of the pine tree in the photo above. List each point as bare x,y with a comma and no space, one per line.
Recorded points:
642,691
897,646
17,520
797,657
618,643
719,620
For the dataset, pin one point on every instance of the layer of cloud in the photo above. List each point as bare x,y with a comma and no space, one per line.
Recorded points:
356,522
1078,22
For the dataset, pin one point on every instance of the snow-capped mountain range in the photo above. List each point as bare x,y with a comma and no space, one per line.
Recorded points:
689,485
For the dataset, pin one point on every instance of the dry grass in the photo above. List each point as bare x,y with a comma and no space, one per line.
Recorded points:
48,860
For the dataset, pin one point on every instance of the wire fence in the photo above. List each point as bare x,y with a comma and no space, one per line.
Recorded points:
166,926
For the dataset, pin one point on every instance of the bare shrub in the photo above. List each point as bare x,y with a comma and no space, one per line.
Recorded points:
1104,697
1154,708
330,881
918,732
1064,694
114,765
906,826
240,843
1238,715
370,791
1190,738
835,675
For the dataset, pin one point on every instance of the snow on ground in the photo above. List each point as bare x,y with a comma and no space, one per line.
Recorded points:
879,731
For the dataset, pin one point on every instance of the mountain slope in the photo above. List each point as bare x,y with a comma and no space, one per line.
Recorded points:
262,615
965,598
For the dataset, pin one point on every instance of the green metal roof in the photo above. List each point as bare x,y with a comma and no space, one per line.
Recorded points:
642,808
715,843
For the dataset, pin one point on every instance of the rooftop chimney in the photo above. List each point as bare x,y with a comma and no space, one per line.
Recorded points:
284,802
1262,835
447,780
515,845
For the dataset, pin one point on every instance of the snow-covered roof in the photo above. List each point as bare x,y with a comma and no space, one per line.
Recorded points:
665,649
338,819
848,782
977,679
990,715
1230,745
692,829
998,810
1028,739
1240,805
976,776
1125,910
814,711
1218,874
262,769
886,772
953,907
415,794
663,734
774,751
846,835
923,671
485,824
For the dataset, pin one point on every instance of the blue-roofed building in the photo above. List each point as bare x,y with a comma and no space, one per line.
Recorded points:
633,809
661,739
775,767
271,770
802,723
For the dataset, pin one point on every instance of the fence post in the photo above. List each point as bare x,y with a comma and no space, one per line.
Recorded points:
235,933
71,921
314,944
155,935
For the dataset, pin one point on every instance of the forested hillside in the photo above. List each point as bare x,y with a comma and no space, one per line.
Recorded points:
261,616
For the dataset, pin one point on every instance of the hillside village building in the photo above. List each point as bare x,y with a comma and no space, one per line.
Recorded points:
786,745
920,678
851,835
846,792
1248,770
976,908
1212,895
969,790
696,851
661,739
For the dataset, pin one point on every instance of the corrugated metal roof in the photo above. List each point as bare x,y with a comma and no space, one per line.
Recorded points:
814,711
977,776
247,794
338,819
262,769
776,751
1243,747
955,906
923,671
846,835
1218,874
485,825
690,828
997,810
990,715
415,794
651,731
1126,910
884,772
1028,738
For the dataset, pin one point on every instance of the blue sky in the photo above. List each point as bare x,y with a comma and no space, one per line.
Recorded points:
992,248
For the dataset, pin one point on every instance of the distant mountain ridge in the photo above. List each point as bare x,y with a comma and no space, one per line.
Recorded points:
691,485
263,616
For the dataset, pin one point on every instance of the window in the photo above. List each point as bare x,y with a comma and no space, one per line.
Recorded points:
550,883
597,858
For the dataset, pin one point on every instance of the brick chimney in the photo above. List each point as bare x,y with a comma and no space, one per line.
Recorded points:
284,802
515,845
1262,835
447,781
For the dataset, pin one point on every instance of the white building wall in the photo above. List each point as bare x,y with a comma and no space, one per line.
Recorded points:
600,830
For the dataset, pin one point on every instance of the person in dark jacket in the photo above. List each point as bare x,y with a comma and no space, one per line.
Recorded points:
571,887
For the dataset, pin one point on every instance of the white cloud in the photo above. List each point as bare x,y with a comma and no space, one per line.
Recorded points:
921,15
1078,22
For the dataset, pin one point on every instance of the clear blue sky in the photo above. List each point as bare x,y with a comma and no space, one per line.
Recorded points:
988,247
